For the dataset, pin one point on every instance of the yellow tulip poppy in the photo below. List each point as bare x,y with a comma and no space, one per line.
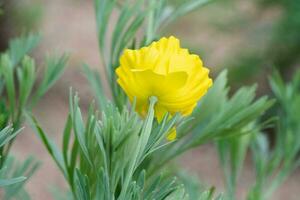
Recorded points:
163,69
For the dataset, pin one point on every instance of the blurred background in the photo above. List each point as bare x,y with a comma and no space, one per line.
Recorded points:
249,38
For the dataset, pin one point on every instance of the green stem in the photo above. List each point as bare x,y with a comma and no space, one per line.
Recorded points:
143,140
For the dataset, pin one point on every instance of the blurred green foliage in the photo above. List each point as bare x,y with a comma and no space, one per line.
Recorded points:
282,45
18,76
12,172
18,94
272,163
284,49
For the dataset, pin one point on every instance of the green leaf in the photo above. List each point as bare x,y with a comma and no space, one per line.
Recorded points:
7,134
8,73
54,69
7,182
50,146
81,182
21,46
79,130
26,78
95,81
183,9
16,172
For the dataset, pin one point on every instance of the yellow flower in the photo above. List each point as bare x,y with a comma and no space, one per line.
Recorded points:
163,69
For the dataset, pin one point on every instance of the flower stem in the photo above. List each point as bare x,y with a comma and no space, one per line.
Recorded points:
143,140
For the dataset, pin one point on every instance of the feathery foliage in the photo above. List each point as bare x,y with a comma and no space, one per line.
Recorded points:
216,117
102,158
272,165
5,136
17,80
12,173
19,93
